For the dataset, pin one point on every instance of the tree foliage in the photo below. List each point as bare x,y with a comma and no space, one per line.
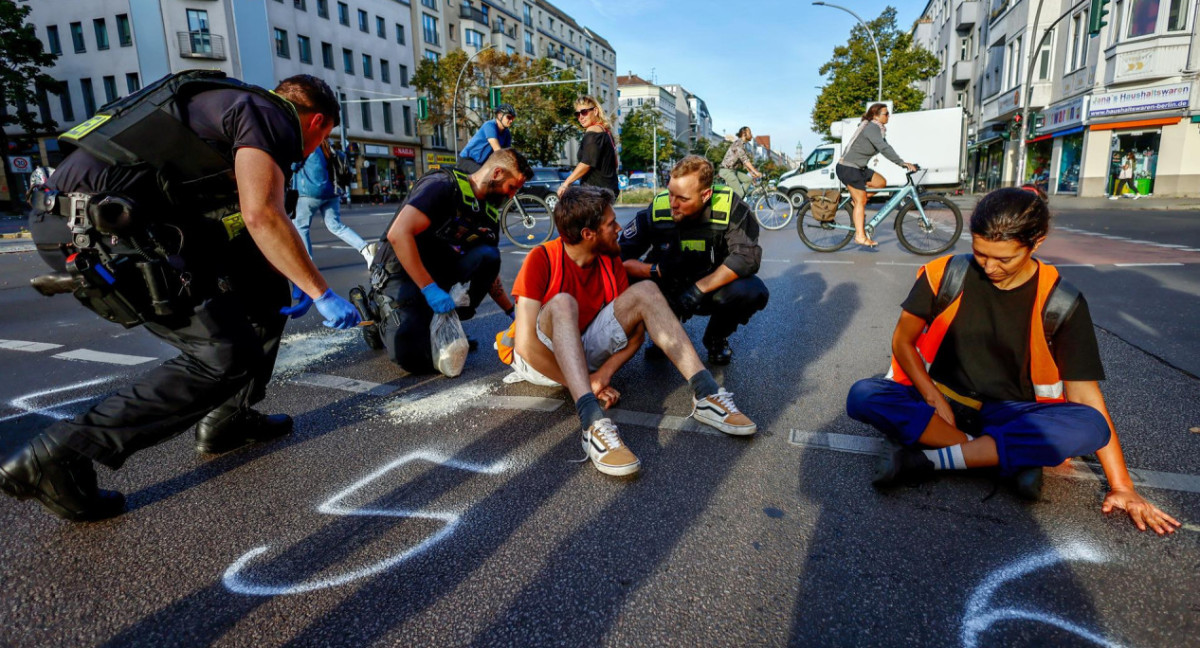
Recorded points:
636,140
545,114
852,73
22,78
716,152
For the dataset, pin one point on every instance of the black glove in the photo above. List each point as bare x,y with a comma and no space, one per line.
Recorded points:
668,269
689,301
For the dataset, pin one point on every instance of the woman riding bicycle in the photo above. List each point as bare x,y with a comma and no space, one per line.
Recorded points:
733,177
866,142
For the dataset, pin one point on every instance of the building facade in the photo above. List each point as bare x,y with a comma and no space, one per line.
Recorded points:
692,119
634,92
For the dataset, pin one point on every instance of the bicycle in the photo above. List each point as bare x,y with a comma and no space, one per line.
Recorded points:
772,209
926,223
527,220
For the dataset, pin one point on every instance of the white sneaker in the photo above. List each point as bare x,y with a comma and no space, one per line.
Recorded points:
719,411
368,253
1112,197
1136,196
604,447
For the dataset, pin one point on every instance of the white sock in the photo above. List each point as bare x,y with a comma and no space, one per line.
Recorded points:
947,458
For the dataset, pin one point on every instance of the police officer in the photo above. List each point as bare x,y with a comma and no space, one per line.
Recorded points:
699,243
445,233
171,213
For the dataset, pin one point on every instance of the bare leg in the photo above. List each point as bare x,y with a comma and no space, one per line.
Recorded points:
859,214
643,303
559,319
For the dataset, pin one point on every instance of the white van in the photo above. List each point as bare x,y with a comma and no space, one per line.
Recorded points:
932,139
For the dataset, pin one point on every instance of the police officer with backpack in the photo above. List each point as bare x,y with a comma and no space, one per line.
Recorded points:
699,243
171,214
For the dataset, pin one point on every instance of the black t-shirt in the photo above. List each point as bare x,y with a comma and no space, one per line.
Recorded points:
436,195
598,151
985,353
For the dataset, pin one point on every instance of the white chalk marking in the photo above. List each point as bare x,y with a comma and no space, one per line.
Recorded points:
528,403
235,583
978,617
31,347
344,384
898,263
1144,265
26,403
1190,527
100,356
831,262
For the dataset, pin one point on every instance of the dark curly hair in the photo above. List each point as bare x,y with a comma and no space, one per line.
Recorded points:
1011,214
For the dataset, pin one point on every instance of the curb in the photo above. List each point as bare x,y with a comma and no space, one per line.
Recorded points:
23,234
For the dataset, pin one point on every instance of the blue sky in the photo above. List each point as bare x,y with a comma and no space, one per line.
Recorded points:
753,61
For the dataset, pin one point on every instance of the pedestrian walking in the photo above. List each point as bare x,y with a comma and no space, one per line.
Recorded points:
1125,177
319,196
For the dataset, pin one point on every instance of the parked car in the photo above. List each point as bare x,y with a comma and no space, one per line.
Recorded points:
545,183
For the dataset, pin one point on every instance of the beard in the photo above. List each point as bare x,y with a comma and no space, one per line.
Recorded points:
495,192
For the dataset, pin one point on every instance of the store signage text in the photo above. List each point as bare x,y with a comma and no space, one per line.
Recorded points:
404,152
1064,115
1140,100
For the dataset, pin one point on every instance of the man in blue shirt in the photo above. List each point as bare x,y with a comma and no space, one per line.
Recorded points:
492,136
314,182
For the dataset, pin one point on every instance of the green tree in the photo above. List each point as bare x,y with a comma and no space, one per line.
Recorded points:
716,152
700,147
545,114
852,73
22,80
636,149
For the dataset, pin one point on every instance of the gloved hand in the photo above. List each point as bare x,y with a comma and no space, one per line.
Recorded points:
338,312
438,299
303,303
689,301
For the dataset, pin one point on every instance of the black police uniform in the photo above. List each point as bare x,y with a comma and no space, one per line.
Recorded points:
220,306
459,246
724,233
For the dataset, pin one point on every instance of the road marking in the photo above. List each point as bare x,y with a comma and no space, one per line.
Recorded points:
899,263
26,405
777,260
344,384
101,356
1074,265
528,403
831,262
1190,527
1144,265
840,442
660,422
32,347
520,252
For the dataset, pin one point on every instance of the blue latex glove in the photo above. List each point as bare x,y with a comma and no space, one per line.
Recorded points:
438,299
303,303
512,313
338,312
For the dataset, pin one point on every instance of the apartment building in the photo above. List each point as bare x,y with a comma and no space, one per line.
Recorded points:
633,92
692,119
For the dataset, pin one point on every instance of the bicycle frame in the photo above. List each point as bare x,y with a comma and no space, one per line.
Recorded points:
899,193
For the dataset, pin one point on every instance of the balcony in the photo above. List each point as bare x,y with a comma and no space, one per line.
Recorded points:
1146,59
201,45
498,27
960,73
556,55
467,12
966,15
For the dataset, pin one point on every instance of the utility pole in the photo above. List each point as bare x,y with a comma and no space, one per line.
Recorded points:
878,60
454,101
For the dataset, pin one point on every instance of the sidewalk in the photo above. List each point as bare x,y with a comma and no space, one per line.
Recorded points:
1101,203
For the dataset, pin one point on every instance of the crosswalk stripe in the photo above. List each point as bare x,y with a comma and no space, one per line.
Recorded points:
31,347
101,356
343,384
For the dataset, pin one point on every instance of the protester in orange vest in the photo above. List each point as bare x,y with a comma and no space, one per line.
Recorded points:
995,364
578,320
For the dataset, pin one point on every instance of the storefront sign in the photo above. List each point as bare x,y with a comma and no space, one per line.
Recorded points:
1008,102
431,158
404,152
1167,97
376,150
1064,115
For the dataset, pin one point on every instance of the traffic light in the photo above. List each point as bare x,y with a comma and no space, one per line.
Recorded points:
494,97
1096,17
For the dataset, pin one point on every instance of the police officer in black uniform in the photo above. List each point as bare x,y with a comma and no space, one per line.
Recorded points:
171,214
445,233
699,243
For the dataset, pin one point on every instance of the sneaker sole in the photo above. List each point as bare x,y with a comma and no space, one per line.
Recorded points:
732,430
608,469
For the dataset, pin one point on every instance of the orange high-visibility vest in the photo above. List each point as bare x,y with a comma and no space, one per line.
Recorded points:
1047,385
557,254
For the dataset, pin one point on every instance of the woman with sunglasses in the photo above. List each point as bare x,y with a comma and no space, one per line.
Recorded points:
597,151
852,170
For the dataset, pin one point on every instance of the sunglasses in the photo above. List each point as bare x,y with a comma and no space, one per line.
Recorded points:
581,113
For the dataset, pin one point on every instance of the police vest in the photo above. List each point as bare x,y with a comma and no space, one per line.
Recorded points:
473,222
149,127
556,253
698,240
1054,303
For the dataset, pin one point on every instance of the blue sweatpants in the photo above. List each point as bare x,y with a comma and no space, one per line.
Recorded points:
1026,433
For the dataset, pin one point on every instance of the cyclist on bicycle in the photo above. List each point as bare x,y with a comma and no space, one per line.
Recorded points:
866,142
735,178
493,135
699,243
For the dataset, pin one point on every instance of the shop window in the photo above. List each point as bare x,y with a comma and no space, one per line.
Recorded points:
1143,145
1143,17
1068,166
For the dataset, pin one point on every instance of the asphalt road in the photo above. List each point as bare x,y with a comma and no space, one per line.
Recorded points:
414,511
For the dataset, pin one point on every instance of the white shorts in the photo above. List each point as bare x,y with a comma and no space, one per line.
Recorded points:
603,337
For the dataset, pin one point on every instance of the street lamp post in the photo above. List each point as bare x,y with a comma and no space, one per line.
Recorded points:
878,60
1027,95
454,101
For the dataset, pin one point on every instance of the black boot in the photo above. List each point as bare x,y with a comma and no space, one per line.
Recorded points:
60,479
370,332
719,352
902,465
1028,483
227,428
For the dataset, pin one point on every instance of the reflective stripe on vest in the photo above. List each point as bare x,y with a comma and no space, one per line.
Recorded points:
469,199
1047,385
720,205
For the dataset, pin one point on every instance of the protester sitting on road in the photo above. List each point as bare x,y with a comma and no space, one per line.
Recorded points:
318,195
866,142
699,243
493,135
597,150
736,156
578,321
445,233
995,364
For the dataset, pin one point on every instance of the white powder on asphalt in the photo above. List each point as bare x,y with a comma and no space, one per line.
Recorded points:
299,351
438,403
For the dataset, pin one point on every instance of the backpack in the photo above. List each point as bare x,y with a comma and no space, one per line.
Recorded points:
339,169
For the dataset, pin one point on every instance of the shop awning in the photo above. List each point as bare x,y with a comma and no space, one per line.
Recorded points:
983,143
1039,138
1137,123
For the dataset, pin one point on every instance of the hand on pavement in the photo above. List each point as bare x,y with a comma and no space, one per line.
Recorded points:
338,312
1142,513
438,299
303,303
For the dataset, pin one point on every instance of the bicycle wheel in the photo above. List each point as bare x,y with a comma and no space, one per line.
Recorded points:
773,210
937,232
527,221
825,236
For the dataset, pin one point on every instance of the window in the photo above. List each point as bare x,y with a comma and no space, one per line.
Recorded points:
77,39
387,118
385,71
198,28
438,138
101,33
302,5
343,14
429,25
304,49
399,34
407,111
1143,17
132,84
1077,42
473,38
1016,64
380,27
43,102
64,102
124,33
110,89
365,111
368,71
1043,63
281,43
89,96
327,55
1177,15
432,4
52,42
348,61
323,9
342,106
528,16
432,55
529,43
404,75
510,50
362,22
450,30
